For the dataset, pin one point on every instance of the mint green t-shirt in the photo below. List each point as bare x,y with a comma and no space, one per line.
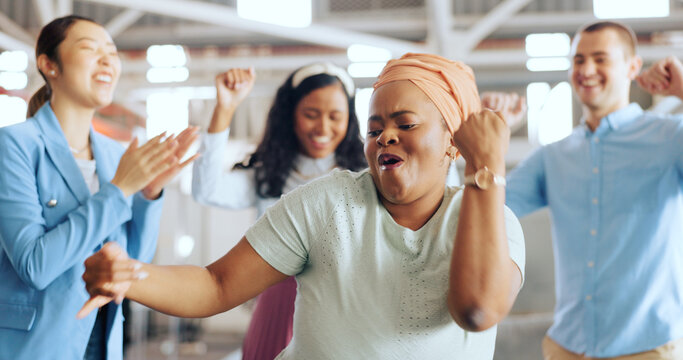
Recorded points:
369,288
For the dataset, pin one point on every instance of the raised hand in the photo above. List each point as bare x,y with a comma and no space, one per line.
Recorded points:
512,106
108,275
184,140
665,77
483,140
232,87
140,165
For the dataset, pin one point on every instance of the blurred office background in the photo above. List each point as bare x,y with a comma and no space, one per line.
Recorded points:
171,51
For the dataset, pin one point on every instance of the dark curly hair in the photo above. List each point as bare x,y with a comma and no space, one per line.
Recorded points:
274,157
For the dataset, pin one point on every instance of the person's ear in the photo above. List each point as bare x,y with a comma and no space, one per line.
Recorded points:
634,66
47,66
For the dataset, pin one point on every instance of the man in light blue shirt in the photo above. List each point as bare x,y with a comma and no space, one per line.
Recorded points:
615,191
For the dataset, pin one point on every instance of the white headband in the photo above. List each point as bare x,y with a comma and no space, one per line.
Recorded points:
324,68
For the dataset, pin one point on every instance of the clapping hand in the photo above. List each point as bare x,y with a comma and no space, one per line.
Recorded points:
140,165
184,141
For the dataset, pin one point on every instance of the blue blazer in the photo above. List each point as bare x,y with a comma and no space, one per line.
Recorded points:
49,225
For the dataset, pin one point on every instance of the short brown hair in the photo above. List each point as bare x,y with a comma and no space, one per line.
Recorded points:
628,37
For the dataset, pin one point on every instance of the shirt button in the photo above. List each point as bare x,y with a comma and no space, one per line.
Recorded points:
591,264
595,201
597,140
593,232
595,170
589,298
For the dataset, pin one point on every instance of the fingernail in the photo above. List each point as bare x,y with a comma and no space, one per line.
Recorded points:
137,266
142,275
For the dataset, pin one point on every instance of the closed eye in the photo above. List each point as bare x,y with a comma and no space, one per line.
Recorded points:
374,133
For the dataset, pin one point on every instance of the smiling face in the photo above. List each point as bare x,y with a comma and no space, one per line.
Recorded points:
406,144
321,120
90,66
602,71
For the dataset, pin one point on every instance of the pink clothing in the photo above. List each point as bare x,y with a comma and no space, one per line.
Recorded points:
271,324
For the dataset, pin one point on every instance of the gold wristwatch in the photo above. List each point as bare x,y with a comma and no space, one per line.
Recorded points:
484,179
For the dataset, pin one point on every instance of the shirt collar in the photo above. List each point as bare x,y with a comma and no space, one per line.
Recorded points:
624,116
617,119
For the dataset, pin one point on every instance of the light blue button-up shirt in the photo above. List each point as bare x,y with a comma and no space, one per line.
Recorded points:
616,199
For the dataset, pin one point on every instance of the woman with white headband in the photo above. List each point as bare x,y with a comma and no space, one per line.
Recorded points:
311,129
391,262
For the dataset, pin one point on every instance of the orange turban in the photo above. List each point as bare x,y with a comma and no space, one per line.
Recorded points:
448,84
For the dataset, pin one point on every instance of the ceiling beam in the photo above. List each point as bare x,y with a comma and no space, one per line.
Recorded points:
482,60
439,18
225,16
517,24
45,10
122,21
490,22
13,29
215,64
63,7
8,42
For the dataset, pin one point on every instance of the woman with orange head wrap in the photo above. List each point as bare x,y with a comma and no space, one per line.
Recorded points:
390,262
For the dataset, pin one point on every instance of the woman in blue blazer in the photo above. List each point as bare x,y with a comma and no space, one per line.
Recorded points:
64,192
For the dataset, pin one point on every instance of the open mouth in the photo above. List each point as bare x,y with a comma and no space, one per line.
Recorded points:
589,83
104,78
321,139
320,142
389,161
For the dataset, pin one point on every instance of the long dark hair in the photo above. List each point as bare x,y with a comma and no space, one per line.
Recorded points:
48,42
274,157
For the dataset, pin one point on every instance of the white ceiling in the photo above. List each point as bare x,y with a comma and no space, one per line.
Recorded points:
487,34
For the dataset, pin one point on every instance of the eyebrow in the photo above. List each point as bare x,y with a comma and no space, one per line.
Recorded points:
391,116
595,53
313,108
91,39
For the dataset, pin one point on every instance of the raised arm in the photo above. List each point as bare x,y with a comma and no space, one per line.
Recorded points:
510,105
277,245
484,280
185,291
210,184
232,87
664,77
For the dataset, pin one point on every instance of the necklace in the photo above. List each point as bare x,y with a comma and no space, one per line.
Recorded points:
76,151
